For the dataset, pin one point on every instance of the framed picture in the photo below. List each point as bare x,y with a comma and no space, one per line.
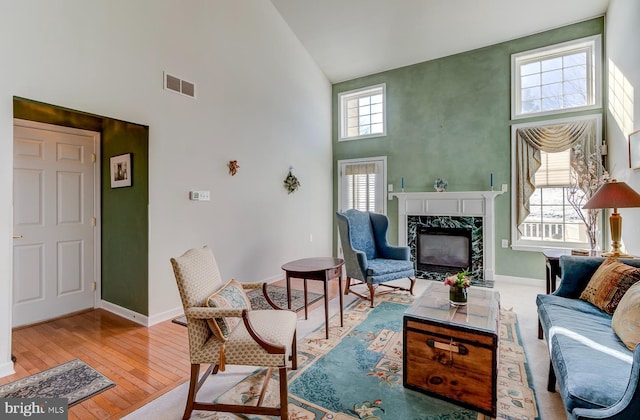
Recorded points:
121,171
634,150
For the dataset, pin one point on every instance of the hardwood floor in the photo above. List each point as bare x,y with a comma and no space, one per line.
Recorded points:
143,362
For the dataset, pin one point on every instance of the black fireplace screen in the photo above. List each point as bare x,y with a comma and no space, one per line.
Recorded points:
444,250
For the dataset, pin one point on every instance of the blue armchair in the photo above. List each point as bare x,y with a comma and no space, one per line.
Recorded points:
369,259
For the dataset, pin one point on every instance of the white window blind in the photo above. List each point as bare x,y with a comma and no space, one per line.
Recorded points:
361,186
555,170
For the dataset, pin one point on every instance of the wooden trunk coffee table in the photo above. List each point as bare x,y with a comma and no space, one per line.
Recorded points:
450,352
316,268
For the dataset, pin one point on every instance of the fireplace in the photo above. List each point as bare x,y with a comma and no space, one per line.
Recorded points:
469,210
444,250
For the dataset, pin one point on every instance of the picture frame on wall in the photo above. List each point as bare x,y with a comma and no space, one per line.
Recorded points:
634,150
121,175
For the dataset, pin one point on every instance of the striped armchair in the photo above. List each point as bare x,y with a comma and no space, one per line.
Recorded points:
263,337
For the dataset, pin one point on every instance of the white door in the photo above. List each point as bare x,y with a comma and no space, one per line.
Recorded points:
54,220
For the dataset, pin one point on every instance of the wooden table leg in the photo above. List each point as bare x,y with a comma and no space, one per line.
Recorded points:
288,291
305,300
326,306
340,294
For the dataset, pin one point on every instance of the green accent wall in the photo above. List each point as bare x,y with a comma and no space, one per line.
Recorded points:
124,212
450,118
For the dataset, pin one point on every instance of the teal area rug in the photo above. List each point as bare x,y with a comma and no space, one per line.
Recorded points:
357,373
75,380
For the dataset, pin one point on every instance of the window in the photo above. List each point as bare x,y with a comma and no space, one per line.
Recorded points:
560,78
547,156
362,184
363,113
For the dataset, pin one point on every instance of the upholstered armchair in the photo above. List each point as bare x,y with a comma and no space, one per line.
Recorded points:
369,259
223,330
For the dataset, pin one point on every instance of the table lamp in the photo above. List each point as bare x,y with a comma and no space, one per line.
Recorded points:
614,195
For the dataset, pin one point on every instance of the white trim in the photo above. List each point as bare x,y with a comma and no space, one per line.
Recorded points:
342,123
126,313
524,281
6,369
593,43
524,245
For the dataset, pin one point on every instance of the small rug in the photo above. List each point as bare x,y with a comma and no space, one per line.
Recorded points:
357,373
278,295
75,380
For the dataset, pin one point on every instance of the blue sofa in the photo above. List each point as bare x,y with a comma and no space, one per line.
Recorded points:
596,373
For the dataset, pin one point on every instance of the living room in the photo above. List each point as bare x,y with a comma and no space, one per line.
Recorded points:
246,63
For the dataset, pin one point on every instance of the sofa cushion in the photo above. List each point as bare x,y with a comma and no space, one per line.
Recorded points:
626,318
609,283
230,296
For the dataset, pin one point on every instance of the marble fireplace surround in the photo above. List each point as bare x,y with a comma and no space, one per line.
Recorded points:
462,205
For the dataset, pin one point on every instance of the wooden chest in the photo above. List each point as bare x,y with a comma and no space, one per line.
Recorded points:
454,361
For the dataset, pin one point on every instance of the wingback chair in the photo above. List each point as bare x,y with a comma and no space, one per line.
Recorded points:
224,330
369,259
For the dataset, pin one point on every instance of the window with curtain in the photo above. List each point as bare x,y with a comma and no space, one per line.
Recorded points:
361,184
546,157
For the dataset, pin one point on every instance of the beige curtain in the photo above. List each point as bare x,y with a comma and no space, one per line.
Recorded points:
360,169
551,139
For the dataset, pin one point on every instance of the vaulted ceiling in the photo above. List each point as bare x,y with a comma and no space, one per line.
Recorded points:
353,38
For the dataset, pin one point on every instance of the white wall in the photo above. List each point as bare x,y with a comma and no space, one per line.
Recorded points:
261,100
623,53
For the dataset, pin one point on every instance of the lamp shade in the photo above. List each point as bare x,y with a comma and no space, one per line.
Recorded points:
613,194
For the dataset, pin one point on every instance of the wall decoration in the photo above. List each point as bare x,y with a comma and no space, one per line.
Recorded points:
121,175
440,185
634,150
291,183
233,167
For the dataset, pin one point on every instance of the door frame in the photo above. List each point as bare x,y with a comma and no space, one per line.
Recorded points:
97,250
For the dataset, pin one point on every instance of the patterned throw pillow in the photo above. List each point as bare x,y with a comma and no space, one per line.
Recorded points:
609,283
229,296
626,318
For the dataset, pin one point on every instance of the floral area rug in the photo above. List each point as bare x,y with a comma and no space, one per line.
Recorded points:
75,380
278,295
357,373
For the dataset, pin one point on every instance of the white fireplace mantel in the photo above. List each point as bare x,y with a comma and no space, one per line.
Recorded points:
461,203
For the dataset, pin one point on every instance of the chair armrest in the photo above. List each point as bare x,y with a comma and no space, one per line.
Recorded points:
629,405
203,312
268,346
396,252
254,285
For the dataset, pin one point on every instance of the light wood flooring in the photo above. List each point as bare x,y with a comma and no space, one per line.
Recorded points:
143,362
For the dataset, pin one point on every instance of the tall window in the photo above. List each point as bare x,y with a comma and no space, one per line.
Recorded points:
547,156
363,113
560,78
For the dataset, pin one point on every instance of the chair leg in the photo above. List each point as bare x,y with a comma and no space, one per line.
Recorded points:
347,286
413,283
372,292
551,384
284,394
193,383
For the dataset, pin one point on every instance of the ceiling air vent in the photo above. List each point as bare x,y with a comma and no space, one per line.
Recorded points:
178,85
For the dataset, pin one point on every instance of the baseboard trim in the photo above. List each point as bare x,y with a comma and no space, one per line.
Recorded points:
499,278
125,313
6,369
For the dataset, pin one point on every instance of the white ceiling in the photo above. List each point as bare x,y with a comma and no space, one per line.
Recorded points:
353,38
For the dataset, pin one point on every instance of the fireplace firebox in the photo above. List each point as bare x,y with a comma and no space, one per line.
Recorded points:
444,250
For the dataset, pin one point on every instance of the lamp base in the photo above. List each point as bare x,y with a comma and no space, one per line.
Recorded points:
616,254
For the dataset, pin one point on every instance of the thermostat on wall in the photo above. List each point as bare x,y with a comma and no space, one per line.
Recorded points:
199,195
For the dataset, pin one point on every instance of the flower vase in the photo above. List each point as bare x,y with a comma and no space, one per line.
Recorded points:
458,295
